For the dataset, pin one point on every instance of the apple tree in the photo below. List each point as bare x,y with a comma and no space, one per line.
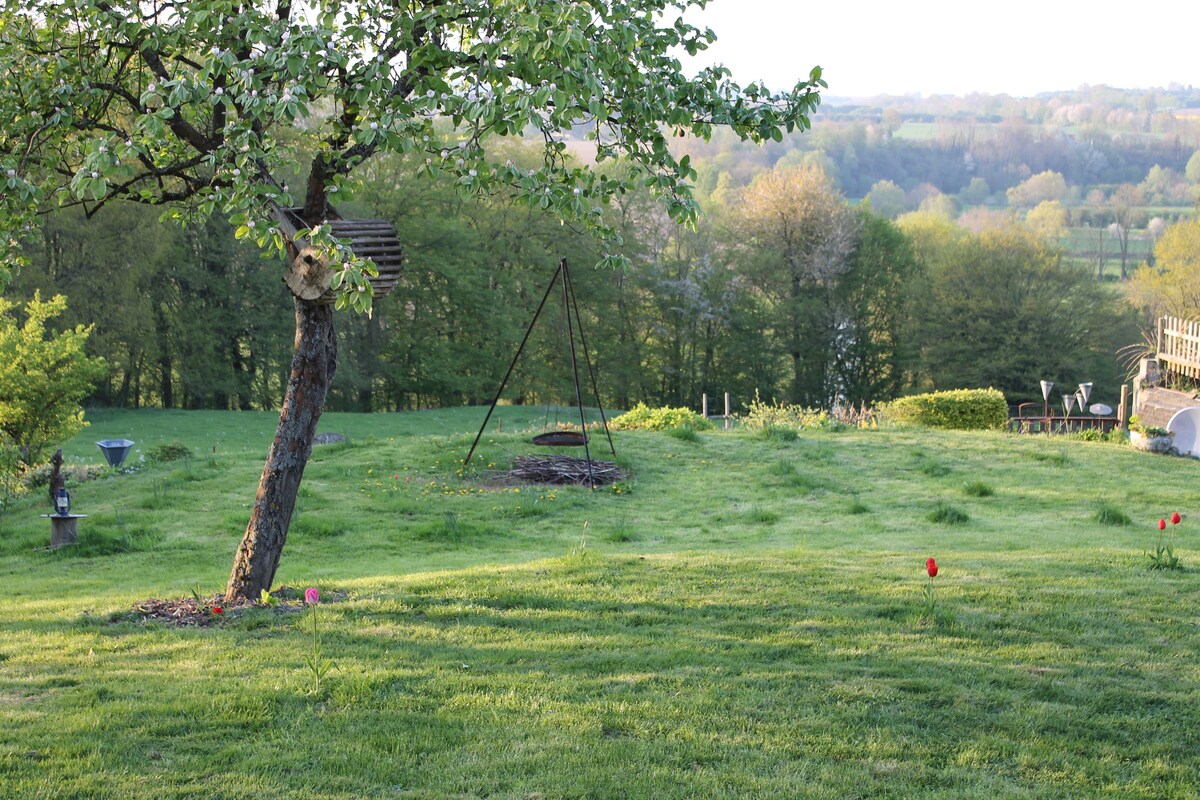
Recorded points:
200,106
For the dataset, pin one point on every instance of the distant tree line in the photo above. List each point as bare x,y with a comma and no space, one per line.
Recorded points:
785,290
955,155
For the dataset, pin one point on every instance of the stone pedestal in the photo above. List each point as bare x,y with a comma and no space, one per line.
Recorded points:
63,529
1148,372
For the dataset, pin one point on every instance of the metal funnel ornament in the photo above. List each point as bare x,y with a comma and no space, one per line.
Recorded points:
1085,392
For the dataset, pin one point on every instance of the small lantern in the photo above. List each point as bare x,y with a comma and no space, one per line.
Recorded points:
62,503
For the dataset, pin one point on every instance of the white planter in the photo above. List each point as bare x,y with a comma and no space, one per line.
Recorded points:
1152,444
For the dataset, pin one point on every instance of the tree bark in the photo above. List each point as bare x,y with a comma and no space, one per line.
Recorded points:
166,383
314,362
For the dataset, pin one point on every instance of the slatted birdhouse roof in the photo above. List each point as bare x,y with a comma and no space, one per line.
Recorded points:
371,239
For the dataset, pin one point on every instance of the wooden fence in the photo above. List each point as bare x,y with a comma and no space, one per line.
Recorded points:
727,417
1179,346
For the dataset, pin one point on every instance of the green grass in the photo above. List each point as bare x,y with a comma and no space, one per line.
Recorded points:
1109,514
948,515
740,619
978,489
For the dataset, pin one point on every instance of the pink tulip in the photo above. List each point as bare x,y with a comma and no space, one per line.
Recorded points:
312,596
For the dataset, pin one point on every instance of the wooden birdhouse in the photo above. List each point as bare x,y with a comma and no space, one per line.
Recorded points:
375,240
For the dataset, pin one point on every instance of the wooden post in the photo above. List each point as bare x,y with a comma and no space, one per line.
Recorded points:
726,411
63,529
704,406
1123,409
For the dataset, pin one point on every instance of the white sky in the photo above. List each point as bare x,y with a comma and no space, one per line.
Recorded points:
1016,47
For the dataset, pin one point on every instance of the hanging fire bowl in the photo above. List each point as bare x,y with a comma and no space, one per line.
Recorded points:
560,439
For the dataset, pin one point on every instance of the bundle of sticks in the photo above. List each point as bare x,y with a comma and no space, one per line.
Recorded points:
565,470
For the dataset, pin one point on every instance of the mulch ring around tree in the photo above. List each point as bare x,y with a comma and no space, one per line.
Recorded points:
560,471
203,612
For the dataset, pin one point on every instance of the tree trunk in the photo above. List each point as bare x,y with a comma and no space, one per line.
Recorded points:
166,383
313,364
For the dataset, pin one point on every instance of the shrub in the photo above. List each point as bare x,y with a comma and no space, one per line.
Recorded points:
71,473
12,474
169,451
44,375
960,409
767,416
1136,425
643,418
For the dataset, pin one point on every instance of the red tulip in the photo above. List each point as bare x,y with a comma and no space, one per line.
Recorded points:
931,567
1162,524
1175,518
218,610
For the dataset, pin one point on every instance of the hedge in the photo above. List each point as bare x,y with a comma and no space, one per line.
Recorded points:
642,417
959,409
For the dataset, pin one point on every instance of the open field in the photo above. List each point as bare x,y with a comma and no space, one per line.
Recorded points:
1084,246
741,619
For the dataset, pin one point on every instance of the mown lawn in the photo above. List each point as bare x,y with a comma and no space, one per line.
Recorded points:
741,619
